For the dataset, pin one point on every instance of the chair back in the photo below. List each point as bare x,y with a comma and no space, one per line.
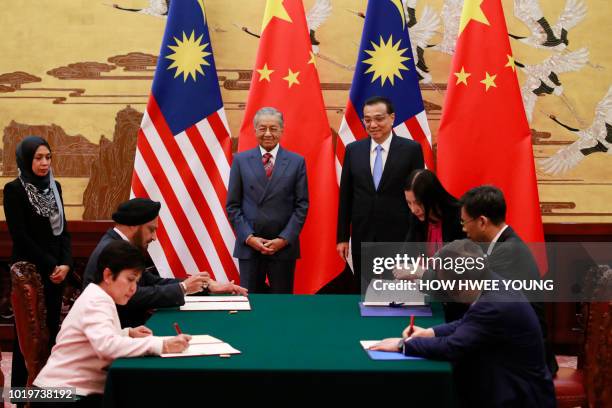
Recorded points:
597,352
1,373
28,301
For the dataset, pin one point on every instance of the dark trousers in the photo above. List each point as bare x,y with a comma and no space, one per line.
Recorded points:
254,271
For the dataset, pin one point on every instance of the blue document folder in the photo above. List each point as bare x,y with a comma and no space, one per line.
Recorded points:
395,311
385,355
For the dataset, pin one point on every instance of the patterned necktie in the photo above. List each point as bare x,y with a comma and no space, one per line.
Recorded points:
378,167
267,163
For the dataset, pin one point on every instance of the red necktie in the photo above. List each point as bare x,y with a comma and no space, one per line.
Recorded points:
267,163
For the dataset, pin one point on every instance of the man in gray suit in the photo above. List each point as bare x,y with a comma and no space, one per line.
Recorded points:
136,221
267,203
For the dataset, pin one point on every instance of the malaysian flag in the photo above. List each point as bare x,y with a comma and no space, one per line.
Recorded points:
183,154
385,66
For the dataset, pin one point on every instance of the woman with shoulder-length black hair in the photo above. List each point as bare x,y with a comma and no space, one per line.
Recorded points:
435,220
436,214
35,217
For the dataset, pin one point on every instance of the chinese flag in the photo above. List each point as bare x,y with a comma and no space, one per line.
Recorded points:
484,137
285,77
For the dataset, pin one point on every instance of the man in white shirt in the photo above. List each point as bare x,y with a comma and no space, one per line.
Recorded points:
372,206
483,216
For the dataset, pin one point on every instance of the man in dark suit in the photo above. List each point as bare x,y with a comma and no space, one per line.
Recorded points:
267,202
372,205
136,221
495,349
483,216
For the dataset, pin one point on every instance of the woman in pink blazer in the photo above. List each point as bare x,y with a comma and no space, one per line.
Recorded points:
91,336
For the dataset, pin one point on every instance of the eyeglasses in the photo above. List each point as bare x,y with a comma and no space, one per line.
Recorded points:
377,119
272,129
463,222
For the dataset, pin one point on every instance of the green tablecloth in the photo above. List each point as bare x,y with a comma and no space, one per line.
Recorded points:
304,345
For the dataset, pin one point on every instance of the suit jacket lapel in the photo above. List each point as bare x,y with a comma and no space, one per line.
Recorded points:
257,167
503,237
280,165
507,234
363,160
112,234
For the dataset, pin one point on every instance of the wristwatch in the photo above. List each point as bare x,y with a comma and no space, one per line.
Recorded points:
400,345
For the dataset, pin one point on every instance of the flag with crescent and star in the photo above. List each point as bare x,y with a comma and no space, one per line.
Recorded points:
385,67
285,77
183,152
484,137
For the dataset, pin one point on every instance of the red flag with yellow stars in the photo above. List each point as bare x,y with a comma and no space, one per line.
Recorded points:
285,77
484,137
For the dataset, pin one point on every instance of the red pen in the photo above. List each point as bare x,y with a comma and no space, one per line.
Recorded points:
177,328
411,329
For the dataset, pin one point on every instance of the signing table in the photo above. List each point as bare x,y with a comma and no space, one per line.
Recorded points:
303,346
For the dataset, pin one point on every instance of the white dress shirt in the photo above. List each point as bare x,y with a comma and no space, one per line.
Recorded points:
492,244
273,152
89,340
384,153
121,234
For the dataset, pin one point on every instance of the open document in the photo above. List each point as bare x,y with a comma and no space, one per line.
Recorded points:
190,299
207,306
204,345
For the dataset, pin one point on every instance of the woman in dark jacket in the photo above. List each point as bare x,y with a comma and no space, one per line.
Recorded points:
435,220
34,213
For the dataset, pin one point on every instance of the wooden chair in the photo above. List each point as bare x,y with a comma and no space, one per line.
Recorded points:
1,373
589,383
28,301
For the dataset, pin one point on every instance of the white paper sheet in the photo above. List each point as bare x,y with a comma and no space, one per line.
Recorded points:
203,306
209,349
189,299
366,344
199,339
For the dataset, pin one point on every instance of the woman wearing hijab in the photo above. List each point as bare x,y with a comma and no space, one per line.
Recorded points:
34,213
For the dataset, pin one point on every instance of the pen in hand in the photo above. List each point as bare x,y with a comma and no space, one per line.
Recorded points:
411,328
176,344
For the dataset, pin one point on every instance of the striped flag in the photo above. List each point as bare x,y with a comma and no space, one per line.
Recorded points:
183,154
385,67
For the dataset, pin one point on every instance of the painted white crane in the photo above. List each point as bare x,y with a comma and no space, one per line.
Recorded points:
421,31
157,8
451,15
543,79
316,16
597,138
543,35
